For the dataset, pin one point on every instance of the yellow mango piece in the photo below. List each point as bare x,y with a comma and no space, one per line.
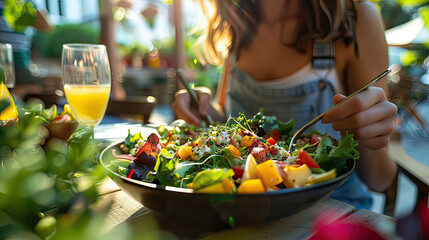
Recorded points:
297,176
215,188
226,186
67,110
251,186
322,177
250,169
247,141
234,151
185,152
288,183
9,112
268,173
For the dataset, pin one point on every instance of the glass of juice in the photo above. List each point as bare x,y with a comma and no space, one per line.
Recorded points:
87,81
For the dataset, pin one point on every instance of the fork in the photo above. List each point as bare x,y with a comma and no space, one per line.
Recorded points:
316,119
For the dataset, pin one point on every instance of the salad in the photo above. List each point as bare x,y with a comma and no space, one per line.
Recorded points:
243,156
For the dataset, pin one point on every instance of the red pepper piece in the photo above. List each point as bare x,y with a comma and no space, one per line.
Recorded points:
271,141
304,158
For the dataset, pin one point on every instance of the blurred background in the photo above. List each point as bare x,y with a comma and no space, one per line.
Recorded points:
145,39
148,39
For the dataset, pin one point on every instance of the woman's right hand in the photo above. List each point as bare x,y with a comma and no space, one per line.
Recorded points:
185,109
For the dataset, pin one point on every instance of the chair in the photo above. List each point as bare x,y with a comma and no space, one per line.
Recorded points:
139,108
390,197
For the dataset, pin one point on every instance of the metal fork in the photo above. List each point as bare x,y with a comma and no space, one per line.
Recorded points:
316,119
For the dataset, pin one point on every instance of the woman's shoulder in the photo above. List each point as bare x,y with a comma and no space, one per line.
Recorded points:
367,11
368,56
369,25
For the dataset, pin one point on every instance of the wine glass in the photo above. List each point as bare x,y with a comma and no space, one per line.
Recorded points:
6,60
86,78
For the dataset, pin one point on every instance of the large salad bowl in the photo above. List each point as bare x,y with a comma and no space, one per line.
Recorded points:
209,212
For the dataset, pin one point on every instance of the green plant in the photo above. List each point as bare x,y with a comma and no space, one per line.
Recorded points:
133,49
47,192
19,14
165,46
69,33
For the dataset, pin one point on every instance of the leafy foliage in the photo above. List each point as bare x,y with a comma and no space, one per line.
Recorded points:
59,180
329,157
211,176
19,14
69,33
132,139
164,168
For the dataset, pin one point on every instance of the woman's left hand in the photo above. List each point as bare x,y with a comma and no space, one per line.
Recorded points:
369,116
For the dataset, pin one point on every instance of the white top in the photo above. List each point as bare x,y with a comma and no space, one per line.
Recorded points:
304,75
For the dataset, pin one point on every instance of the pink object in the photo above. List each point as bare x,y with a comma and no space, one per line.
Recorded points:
328,229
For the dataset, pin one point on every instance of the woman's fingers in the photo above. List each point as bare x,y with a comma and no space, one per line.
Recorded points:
185,109
204,98
182,107
357,103
374,114
368,116
376,129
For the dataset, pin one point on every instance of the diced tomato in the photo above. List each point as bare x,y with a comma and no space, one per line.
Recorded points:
273,150
260,154
315,139
271,141
238,171
304,158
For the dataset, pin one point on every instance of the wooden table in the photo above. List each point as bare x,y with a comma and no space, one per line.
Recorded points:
124,210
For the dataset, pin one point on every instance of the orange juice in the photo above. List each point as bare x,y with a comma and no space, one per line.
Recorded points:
88,102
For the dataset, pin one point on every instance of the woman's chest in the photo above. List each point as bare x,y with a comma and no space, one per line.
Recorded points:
265,60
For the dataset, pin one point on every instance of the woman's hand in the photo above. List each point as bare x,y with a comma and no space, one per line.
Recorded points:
186,110
368,115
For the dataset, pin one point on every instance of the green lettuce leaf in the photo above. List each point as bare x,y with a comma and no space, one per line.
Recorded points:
132,140
164,170
209,177
329,157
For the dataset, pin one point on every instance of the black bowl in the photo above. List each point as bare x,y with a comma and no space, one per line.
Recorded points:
210,212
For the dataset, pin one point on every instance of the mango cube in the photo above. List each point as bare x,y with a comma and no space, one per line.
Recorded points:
268,173
251,186
297,176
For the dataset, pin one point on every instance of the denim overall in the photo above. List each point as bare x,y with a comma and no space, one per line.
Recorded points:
302,103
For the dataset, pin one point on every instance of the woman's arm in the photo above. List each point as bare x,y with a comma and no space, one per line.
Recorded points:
42,20
369,115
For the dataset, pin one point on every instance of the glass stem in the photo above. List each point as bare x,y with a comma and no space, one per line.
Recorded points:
92,132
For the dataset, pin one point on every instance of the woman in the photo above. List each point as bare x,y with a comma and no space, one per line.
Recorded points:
296,58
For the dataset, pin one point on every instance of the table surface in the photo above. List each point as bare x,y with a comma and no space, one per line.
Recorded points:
124,209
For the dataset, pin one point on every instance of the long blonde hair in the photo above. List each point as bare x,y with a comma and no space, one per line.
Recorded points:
229,24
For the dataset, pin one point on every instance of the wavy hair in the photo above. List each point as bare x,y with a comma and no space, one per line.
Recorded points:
229,24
